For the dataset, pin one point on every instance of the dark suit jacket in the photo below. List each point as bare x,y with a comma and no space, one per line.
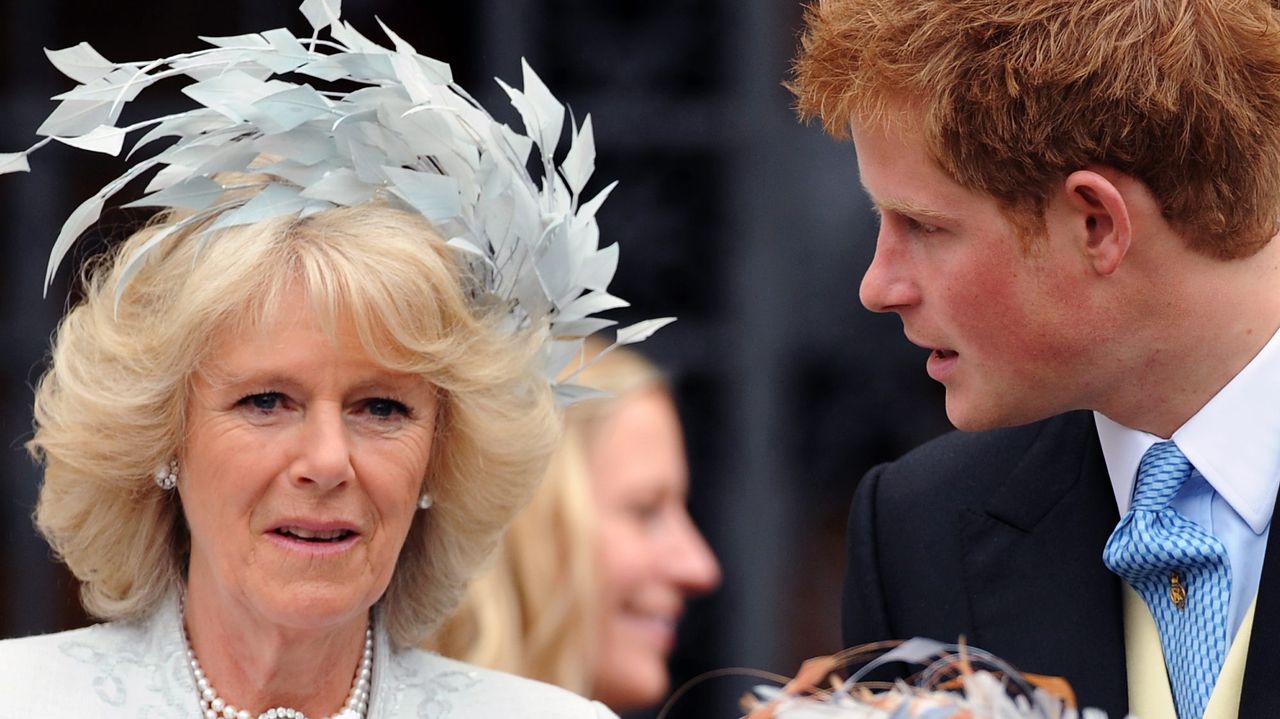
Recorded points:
998,536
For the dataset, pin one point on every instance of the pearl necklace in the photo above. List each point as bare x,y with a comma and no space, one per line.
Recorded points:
214,706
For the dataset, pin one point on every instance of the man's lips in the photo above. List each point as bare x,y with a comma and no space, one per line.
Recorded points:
935,349
942,363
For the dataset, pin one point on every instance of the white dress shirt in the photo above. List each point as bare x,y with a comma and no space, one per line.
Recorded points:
1234,444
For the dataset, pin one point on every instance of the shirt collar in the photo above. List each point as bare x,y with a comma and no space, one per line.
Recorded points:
1234,441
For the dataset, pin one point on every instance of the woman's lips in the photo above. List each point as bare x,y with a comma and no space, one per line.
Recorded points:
312,535
314,538
658,629
656,621
942,364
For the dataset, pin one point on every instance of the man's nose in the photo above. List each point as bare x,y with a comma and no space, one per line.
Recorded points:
888,285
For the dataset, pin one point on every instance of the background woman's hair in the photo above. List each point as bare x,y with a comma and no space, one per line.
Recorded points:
111,406
534,612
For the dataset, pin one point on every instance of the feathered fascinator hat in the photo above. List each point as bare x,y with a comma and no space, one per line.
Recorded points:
406,132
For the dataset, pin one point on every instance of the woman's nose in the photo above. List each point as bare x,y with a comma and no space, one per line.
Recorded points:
324,455
694,566
887,285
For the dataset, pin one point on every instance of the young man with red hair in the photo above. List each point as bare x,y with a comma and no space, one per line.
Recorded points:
1078,200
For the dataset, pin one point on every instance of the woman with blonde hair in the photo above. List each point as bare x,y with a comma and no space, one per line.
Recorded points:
291,417
593,574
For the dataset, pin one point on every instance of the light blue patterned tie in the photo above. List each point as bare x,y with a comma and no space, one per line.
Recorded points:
1181,571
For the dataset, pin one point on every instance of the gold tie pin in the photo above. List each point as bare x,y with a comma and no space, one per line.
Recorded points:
1177,592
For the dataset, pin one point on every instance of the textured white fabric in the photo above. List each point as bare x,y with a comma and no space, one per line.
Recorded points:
139,670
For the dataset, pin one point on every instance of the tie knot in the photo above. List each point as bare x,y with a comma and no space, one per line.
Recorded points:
1161,473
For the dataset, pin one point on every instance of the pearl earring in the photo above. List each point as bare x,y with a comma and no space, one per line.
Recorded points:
167,475
425,501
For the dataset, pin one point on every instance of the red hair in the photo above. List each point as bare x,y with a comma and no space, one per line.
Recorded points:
1013,95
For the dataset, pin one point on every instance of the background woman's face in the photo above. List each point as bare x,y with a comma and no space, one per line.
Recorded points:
650,556
301,471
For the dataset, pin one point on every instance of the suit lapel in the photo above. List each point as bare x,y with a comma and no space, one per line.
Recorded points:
1039,593
1260,692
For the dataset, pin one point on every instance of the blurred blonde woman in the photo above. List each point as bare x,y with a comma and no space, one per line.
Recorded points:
593,575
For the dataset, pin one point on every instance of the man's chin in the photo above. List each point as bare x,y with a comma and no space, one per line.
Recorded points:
967,423
967,415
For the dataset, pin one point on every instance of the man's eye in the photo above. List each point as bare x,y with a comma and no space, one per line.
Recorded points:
263,401
922,227
385,408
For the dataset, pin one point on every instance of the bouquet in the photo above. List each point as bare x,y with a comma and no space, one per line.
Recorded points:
955,682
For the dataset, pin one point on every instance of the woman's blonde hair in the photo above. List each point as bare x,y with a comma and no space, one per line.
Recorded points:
534,612
111,406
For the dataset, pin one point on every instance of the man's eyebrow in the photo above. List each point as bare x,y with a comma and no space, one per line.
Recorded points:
905,207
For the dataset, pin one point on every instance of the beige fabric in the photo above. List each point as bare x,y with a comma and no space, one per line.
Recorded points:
1149,693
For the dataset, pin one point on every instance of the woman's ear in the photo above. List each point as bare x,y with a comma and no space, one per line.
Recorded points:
1099,209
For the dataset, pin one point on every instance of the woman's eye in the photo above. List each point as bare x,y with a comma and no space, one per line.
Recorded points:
386,408
263,401
646,512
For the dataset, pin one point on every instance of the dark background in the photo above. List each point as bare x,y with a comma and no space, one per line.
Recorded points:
747,225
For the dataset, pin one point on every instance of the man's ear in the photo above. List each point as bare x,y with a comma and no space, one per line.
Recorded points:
1098,207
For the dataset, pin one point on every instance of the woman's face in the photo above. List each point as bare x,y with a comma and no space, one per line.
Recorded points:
650,556
300,474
